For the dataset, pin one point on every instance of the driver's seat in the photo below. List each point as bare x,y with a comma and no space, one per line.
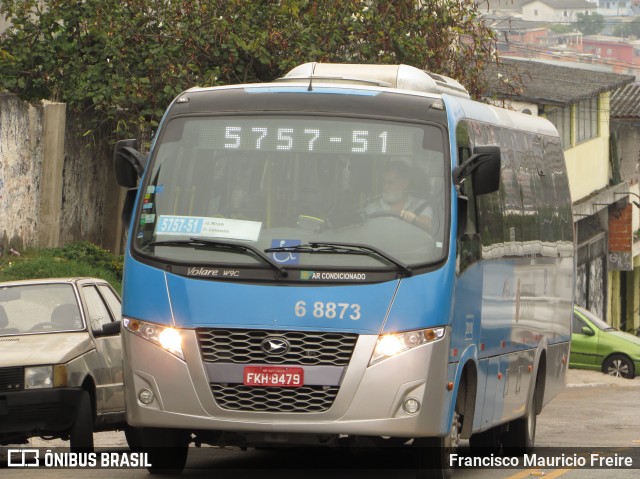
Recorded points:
66,316
4,322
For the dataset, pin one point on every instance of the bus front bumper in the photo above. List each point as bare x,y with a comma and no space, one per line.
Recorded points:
162,390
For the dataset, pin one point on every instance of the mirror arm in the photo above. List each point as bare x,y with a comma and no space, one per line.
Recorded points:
466,168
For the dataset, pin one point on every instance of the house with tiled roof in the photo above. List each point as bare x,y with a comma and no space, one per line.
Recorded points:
556,11
576,99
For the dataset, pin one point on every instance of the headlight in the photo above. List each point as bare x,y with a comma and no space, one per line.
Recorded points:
166,337
38,377
392,344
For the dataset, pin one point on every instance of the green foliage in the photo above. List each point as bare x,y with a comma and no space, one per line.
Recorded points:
560,28
125,60
591,24
75,259
627,29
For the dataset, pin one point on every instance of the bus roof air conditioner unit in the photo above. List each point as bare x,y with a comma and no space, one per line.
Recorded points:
403,77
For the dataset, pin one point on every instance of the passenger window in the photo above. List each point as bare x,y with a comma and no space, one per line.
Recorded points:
98,312
112,300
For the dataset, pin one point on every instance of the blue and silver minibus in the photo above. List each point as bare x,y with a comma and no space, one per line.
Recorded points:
349,252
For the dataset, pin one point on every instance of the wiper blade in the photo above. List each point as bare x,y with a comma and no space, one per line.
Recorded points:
342,248
194,241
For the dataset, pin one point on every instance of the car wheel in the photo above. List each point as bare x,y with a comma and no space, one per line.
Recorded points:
81,432
619,366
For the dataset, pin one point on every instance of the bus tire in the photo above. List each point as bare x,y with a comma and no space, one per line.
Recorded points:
81,432
487,442
432,454
520,434
166,449
133,435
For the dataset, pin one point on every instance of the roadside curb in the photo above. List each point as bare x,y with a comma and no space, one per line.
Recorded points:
580,378
598,385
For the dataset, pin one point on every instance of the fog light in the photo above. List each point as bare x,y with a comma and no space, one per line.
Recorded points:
411,406
145,396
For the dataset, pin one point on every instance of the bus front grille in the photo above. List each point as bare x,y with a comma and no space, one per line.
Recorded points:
306,348
247,347
306,399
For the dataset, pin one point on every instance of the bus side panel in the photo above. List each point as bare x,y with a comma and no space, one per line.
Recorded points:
557,365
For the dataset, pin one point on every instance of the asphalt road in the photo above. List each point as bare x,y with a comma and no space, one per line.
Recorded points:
596,413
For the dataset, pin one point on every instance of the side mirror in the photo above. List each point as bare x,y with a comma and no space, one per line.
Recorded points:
109,329
484,168
127,208
587,331
129,163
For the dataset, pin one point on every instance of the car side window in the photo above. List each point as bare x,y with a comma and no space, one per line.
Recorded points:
577,324
99,314
112,300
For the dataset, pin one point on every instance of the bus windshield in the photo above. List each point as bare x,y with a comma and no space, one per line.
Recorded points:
278,183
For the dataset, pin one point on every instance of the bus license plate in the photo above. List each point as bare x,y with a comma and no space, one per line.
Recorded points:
273,376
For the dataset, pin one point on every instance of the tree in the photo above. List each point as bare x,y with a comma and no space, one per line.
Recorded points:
123,61
627,29
590,24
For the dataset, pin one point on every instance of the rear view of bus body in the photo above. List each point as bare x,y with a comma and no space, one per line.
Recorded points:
353,251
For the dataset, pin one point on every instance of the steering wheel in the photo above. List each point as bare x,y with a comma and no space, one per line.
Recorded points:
396,215
384,214
43,326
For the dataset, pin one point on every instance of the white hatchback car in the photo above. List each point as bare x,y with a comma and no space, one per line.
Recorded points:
60,360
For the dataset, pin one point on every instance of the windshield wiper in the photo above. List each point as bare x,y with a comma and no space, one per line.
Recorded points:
223,244
342,248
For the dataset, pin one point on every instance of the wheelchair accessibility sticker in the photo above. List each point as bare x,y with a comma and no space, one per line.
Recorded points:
285,257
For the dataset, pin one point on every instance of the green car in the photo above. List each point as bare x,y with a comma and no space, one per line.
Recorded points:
596,345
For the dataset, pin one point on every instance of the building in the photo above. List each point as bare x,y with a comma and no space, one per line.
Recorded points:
625,131
577,101
615,8
556,11
614,49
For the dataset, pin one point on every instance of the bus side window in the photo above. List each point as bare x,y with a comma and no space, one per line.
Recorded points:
469,243
464,152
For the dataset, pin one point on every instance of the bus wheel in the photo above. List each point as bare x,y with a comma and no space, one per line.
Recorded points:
520,434
487,442
433,453
133,436
166,449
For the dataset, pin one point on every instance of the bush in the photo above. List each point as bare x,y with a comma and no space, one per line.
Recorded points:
75,259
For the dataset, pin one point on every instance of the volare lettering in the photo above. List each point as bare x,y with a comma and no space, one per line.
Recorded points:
202,272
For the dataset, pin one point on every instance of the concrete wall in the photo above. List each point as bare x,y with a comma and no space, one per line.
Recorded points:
588,162
628,136
21,157
56,186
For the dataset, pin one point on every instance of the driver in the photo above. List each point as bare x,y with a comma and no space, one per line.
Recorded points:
396,197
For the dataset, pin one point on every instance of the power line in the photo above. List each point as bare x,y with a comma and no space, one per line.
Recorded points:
546,23
543,50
